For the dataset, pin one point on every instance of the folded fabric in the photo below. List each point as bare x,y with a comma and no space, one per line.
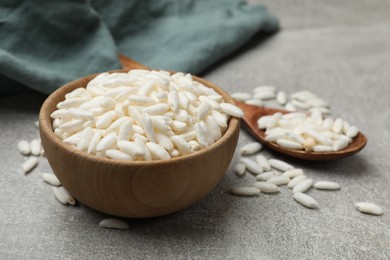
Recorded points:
45,44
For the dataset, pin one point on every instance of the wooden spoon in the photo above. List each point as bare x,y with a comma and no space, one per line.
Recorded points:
253,113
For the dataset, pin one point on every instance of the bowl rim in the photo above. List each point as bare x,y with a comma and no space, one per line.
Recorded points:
45,125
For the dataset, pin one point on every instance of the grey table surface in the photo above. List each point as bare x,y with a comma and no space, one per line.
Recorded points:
339,50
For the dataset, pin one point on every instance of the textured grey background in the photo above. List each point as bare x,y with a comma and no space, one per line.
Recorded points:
337,49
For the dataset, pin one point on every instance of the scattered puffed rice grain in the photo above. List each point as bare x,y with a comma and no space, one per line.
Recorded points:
328,123
57,114
262,122
289,144
105,120
72,139
322,139
317,102
203,110
338,126
340,144
232,110
352,131
254,102
156,109
24,147
274,120
296,138
250,148
266,175
264,95
309,144
317,116
273,137
195,146
107,142
63,196
173,100
165,141
201,135
72,126
29,164
51,179
85,139
133,149
220,118
300,105
346,125
293,173
305,200
303,186
327,185
280,165
94,141
117,155
263,163
125,131
245,191
158,152
281,97
60,196
323,110
113,223
239,169
182,145
36,147
348,139
294,115
140,142
241,96
303,95
213,127
148,127
70,199
279,180
296,180
322,148
290,107
251,166
174,153
58,133
369,208
264,88
266,187
80,113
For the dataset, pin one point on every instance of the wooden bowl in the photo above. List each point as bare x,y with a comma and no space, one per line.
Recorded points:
132,188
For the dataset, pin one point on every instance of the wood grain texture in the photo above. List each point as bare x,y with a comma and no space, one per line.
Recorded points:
136,189
253,113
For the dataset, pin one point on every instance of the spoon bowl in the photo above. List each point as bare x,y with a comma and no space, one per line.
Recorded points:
253,113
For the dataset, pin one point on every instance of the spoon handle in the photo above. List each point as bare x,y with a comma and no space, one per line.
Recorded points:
128,63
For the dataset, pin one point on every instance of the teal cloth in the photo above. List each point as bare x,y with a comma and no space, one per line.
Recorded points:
45,44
